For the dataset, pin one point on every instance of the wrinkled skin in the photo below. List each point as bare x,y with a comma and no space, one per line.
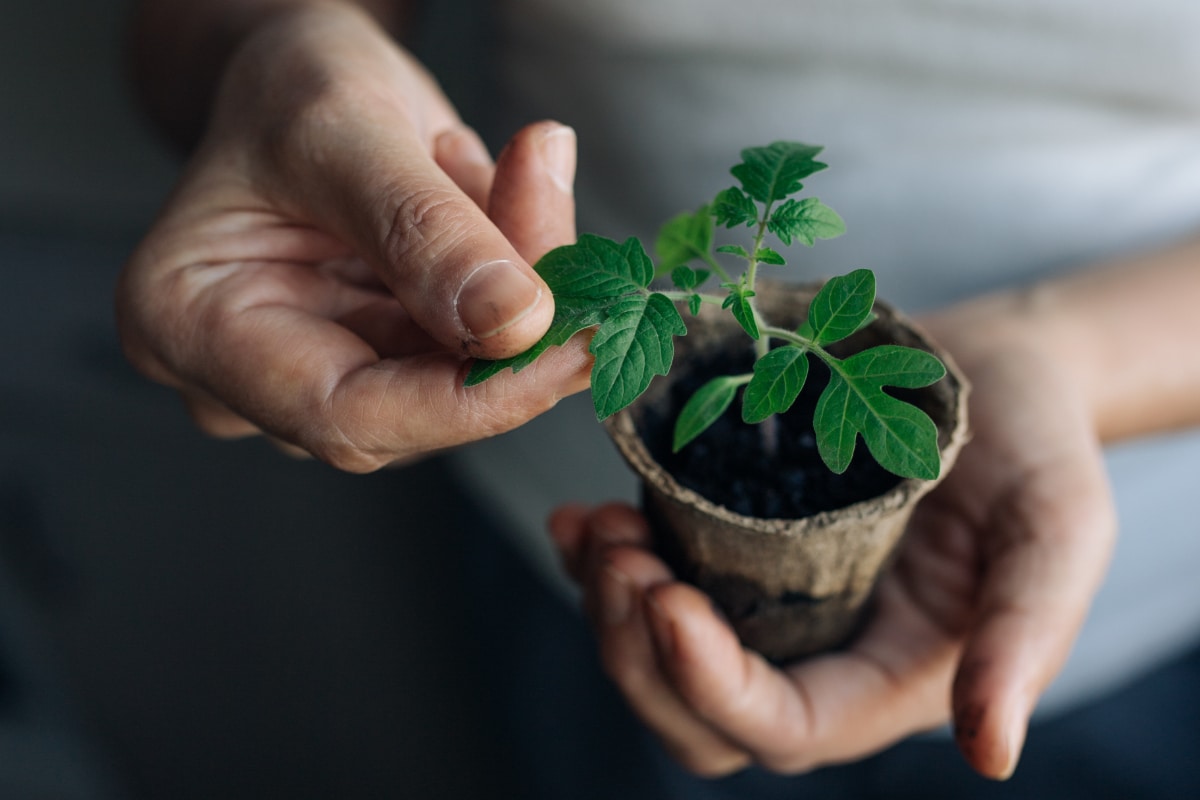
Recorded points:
309,277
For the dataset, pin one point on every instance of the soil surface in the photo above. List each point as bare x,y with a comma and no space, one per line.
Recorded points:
728,465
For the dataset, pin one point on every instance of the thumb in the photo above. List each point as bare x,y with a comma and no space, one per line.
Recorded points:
452,269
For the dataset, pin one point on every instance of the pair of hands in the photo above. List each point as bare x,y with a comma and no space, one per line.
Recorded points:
340,246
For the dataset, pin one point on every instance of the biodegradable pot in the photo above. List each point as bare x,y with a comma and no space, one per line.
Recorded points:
790,587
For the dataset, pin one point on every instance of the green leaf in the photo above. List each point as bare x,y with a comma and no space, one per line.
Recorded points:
901,437
571,315
773,172
734,250
841,306
778,378
588,279
641,268
596,268
765,255
731,207
632,345
686,237
806,221
694,303
704,408
686,278
738,301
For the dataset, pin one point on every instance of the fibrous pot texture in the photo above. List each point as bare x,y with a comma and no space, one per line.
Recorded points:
790,587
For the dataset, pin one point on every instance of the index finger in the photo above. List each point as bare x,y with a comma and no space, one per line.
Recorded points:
824,710
356,158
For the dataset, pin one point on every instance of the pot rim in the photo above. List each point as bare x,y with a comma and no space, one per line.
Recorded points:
623,431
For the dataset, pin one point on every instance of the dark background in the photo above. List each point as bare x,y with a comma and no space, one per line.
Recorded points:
181,617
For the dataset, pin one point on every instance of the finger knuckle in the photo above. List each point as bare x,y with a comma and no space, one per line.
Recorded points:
423,222
340,434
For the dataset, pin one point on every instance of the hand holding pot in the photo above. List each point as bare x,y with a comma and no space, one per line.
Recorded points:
976,617
338,247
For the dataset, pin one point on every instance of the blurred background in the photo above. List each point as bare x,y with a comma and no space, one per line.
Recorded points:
179,617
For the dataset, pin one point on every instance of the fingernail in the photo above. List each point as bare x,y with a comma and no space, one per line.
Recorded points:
618,596
494,297
558,156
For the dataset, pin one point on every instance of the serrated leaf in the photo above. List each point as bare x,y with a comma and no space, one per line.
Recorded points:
632,345
597,268
771,173
738,302
778,378
731,207
841,306
901,437
686,278
571,315
704,408
694,303
805,221
587,279
734,250
765,255
685,237
641,268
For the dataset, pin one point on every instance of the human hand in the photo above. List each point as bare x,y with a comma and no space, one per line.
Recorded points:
975,618
338,248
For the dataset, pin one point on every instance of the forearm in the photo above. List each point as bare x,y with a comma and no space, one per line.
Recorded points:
178,50
1127,332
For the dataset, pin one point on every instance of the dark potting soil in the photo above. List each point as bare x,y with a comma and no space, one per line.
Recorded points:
728,464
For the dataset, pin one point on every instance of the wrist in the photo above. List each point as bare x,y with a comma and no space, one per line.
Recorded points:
1037,325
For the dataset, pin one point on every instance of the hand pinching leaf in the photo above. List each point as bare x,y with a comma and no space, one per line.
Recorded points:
598,282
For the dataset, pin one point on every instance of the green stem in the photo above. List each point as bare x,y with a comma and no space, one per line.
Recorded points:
683,297
791,337
763,345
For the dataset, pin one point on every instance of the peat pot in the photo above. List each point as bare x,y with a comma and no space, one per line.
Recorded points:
789,586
